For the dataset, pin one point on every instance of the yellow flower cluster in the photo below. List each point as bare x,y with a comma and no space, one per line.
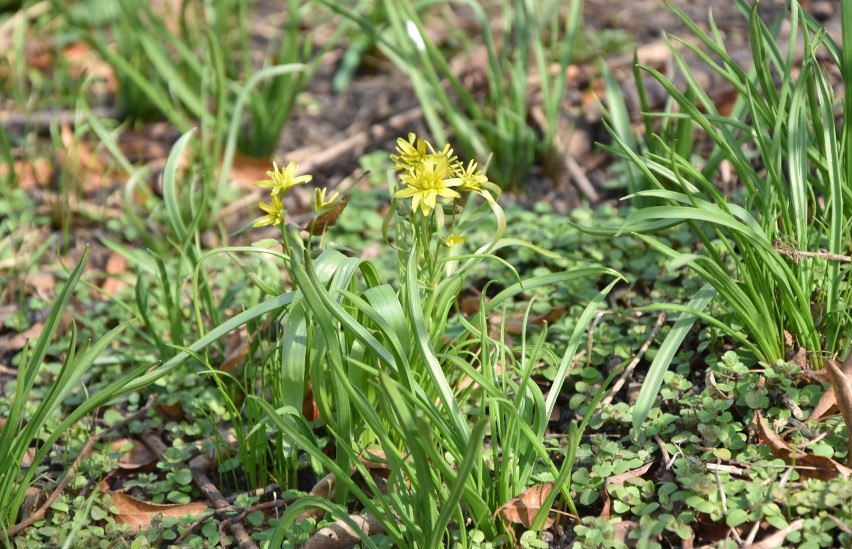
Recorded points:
428,174
326,210
279,181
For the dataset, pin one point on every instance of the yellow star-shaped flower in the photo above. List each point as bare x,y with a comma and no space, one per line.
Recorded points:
281,180
426,183
275,212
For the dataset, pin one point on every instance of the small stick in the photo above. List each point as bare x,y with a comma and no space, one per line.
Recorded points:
661,319
60,488
210,491
243,512
667,459
259,492
789,251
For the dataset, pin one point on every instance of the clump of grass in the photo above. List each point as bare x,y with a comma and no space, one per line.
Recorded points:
495,128
393,373
776,257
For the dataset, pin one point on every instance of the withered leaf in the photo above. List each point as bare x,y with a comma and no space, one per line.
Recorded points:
139,514
523,509
808,465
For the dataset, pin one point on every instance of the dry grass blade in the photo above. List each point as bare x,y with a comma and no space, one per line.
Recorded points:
841,384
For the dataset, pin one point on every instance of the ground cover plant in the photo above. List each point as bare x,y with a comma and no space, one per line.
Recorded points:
405,347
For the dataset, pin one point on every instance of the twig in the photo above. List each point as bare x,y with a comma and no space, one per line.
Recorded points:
207,488
667,459
242,512
259,492
580,180
790,251
628,371
42,120
60,488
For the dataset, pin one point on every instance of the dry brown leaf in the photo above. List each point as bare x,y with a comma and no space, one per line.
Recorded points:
116,266
841,382
826,406
76,157
776,539
340,534
139,514
309,405
30,174
44,285
328,218
523,509
515,324
623,529
16,342
236,349
246,170
171,411
83,61
138,457
808,465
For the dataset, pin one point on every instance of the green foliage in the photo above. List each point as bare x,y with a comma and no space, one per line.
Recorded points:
772,259
166,72
494,128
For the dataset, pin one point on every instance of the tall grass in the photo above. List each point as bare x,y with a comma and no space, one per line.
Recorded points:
492,125
776,255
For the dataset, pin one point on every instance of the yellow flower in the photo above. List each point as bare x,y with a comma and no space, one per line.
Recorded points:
410,153
426,182
415,150
453,240
472,179
275,212
281,180
320,201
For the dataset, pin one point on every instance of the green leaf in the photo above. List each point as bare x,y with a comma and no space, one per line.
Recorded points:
736,517
98,513
654,378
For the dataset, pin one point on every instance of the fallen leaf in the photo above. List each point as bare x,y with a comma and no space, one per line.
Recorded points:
236,350
523,509
309,404
116,266
623,529
83,61
515,324
138,457
247,170
16,342
30,174
138,514
841,382
44,285
171,411
340,534
808,465
328,218
826,406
